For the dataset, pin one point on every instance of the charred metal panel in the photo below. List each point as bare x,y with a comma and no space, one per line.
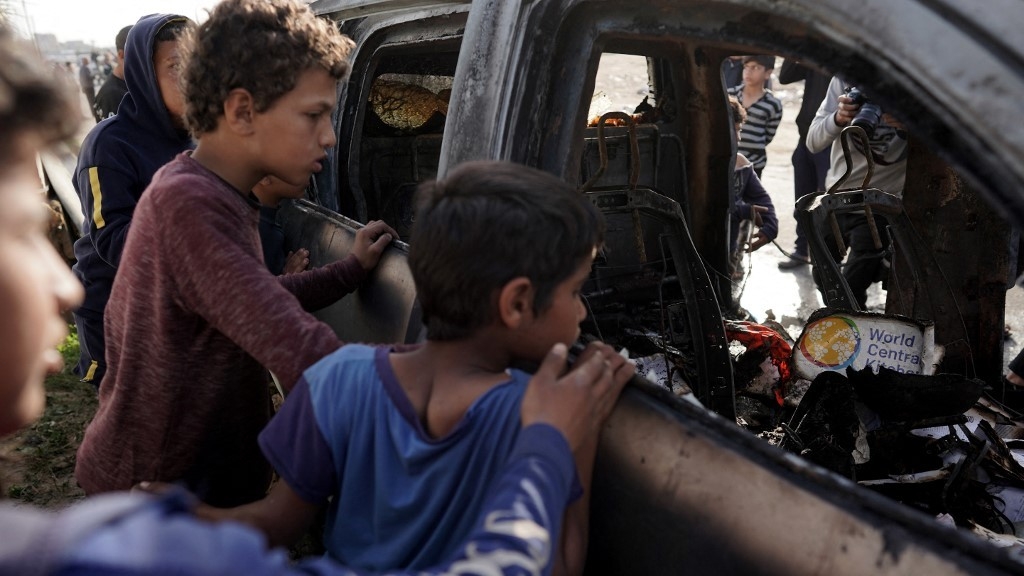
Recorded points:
680,491
384,309
436,32
347,9
953,222
714,384
677,490
969,86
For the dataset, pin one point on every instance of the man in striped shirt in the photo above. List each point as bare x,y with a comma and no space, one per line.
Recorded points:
764,110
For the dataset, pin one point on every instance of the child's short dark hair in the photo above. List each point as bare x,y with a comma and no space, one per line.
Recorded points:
122,38
171,30
485,224
766,60
262,46
32,99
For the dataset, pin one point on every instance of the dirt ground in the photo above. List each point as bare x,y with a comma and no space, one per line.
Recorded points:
38,463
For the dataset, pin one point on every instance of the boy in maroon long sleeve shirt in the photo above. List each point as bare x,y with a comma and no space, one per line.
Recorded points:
194,314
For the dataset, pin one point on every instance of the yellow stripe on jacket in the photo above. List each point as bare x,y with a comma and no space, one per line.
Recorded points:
97,197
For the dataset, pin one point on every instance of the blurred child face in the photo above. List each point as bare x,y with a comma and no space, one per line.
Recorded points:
560,321
755,74
294,133
168,66
35,286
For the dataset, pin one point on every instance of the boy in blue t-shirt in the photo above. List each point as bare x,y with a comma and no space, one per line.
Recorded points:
407,444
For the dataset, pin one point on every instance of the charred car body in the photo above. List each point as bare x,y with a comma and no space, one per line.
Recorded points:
680,488
677,488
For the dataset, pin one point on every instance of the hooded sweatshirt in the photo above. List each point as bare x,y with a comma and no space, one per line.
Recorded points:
116,162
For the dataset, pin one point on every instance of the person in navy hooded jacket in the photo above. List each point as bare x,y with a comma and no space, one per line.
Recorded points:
116,162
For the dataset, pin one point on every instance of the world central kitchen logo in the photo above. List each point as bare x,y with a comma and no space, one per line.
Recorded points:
835,342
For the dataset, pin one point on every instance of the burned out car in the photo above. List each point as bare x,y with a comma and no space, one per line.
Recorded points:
680,488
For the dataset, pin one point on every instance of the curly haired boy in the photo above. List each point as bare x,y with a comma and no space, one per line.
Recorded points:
194,316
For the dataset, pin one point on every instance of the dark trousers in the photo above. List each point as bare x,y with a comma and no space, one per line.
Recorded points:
864,263
809,171
91,346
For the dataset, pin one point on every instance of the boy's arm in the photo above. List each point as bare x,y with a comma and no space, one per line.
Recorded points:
108,203
604,372
325,285
772,126
321,287
572,552
282,515
303,450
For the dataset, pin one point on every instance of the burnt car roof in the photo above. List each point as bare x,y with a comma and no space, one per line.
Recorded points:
953,72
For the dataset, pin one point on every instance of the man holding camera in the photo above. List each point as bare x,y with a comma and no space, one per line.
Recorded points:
887,139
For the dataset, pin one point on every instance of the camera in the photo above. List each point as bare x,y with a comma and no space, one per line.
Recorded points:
869,115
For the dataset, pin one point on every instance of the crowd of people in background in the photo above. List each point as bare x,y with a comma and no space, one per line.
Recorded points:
825,110
98,77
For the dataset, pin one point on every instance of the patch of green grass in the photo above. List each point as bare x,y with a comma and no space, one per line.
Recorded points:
69,348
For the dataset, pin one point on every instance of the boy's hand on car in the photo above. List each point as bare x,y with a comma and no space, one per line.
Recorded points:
296,261
578,402
370,242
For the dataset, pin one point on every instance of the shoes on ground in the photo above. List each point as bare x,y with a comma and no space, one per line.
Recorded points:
794,261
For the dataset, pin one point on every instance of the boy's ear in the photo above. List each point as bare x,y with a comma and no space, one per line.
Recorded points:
239,109
515,302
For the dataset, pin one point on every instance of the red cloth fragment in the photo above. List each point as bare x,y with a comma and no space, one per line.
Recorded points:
754,336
